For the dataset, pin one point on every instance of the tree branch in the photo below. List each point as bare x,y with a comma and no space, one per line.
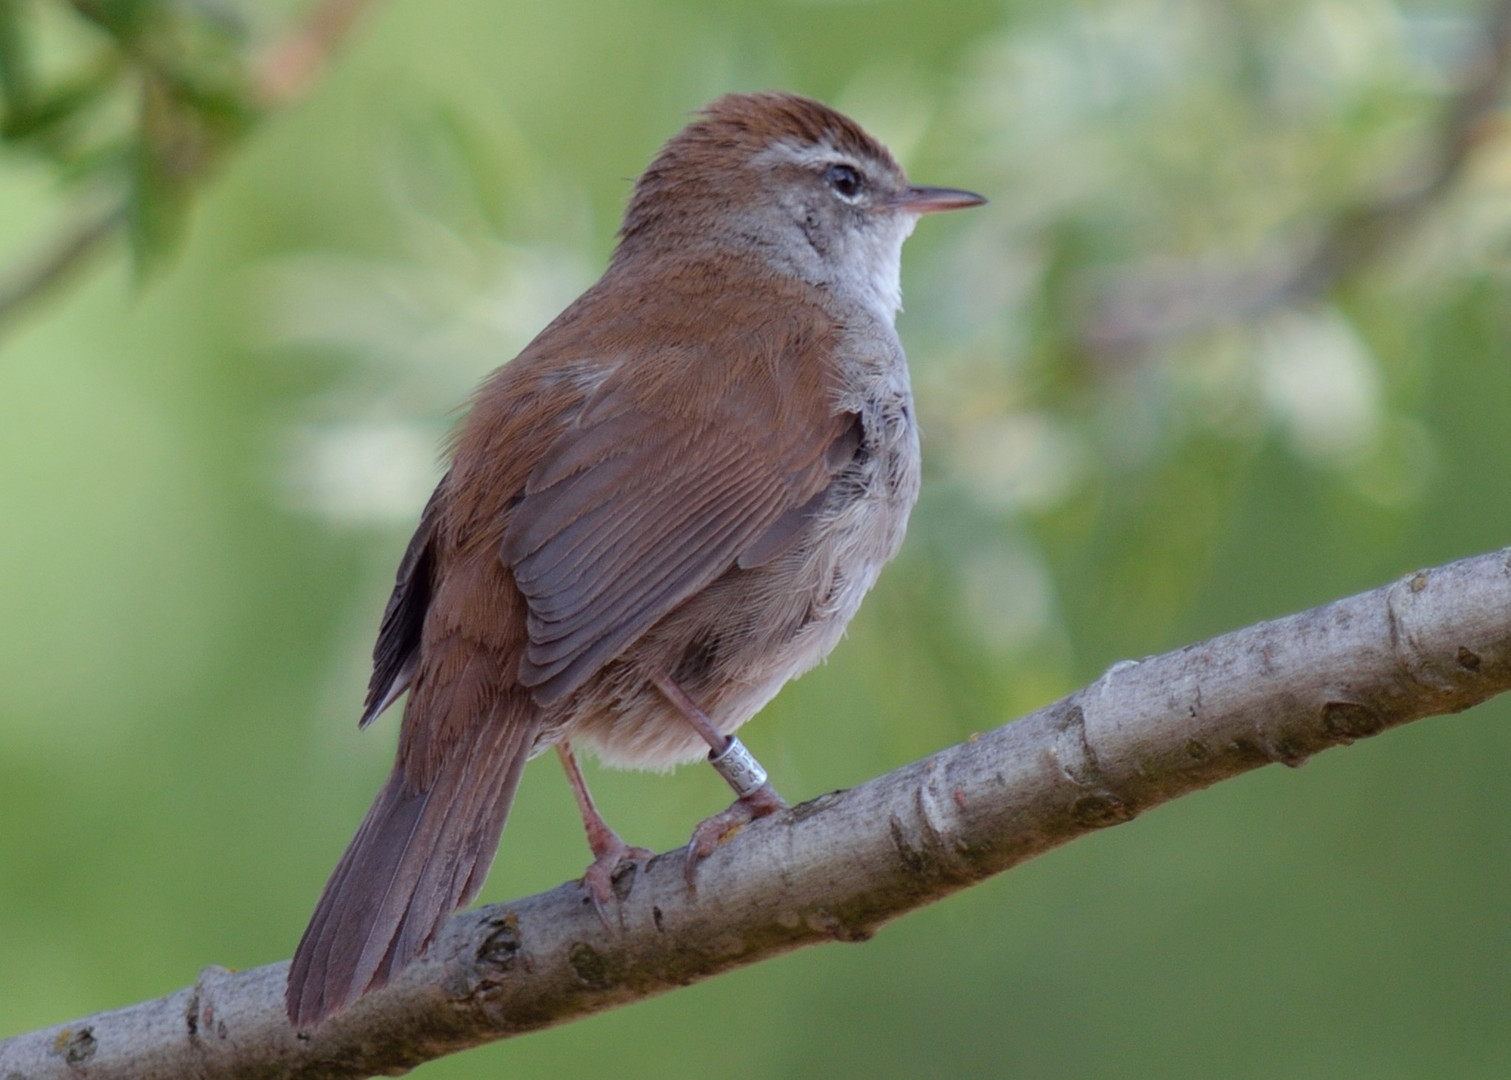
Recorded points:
840,866
57,265
290,64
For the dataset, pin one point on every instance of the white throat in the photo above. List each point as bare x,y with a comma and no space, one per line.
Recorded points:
872,275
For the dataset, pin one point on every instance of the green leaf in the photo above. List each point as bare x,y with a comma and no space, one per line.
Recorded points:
122,19
63,106
168,158
15,62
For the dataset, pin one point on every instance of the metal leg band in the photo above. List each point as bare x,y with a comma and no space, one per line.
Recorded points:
739,768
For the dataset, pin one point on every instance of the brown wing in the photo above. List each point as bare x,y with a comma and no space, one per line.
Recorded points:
680,466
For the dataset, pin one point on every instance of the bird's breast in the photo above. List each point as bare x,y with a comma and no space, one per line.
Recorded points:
736,643
861,526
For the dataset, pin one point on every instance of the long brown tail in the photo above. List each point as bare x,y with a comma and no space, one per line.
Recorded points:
418,856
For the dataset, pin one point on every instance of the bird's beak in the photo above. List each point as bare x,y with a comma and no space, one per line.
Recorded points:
931,200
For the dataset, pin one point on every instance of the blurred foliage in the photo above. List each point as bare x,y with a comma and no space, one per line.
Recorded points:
130,98
206,486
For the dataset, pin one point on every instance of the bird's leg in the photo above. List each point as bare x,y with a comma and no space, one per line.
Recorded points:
740,770
609,851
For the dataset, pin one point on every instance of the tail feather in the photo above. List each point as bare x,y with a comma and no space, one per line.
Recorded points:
347,910
417,857
451,875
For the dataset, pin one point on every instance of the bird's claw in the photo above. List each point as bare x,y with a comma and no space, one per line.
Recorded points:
611,861
711,832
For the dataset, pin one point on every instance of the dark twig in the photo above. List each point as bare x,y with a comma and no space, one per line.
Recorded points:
55,267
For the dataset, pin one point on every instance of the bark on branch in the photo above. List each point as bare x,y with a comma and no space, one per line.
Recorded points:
842,865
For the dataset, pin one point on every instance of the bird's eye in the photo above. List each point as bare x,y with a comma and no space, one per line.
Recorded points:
844,179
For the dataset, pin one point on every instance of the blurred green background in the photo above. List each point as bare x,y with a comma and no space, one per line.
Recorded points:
1134,438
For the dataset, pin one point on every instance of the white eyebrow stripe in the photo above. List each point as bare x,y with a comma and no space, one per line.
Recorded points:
801,153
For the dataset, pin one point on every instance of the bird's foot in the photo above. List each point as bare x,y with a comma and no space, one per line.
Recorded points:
711,832
612,857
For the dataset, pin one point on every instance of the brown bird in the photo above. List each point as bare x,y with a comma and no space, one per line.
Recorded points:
668,505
